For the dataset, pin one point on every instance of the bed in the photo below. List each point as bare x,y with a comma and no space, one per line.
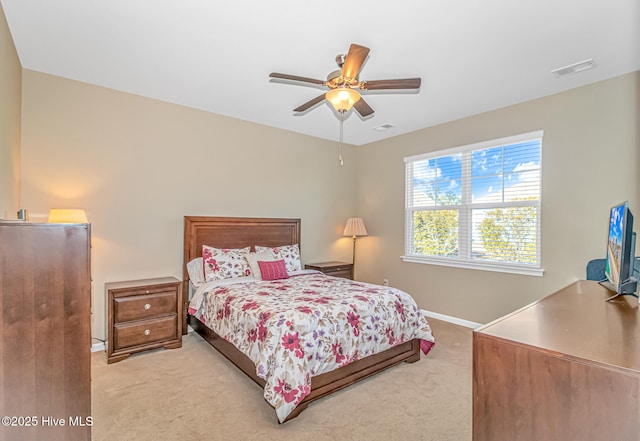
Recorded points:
238,233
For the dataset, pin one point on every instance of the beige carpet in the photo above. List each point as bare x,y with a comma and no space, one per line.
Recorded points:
194,393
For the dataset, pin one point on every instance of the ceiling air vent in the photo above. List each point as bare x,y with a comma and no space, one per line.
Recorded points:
574,68
383,127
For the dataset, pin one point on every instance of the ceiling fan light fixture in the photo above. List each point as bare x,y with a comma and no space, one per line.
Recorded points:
342,98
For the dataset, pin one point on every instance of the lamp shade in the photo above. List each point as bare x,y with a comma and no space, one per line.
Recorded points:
67,216
342,98
355,227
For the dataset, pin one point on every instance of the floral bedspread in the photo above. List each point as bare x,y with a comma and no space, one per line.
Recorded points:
306,325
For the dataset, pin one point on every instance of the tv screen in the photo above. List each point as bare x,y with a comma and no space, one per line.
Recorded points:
621,250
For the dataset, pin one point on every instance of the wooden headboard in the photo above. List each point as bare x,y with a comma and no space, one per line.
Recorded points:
232,232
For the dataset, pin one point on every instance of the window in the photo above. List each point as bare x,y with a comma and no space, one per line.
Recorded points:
476,206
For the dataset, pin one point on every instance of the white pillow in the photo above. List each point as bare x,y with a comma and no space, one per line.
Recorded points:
253,258
289,253
196,271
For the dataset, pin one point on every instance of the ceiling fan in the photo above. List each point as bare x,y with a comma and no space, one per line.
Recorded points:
344,82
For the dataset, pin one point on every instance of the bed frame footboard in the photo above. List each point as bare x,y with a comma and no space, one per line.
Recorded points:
323,384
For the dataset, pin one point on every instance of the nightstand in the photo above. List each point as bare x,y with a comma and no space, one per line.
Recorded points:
143,314
336,269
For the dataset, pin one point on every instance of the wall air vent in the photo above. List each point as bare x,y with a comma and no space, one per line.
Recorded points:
574,68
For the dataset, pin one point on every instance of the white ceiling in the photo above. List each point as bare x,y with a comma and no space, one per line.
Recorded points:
472,55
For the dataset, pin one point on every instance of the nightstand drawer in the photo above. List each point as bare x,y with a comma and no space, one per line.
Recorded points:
144,332
345,273
139,307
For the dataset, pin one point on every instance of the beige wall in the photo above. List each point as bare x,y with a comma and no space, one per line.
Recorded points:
590,162
137,166
10,90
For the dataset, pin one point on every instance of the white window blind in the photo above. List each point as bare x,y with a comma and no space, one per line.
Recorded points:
477,206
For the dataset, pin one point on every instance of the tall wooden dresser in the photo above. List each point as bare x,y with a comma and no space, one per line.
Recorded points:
45,335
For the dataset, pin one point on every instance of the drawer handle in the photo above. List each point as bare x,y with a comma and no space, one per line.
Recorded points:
147,306
147,332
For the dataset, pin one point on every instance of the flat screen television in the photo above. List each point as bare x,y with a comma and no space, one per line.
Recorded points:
621,245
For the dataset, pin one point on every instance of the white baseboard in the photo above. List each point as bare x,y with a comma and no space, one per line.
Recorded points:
450,319
97,347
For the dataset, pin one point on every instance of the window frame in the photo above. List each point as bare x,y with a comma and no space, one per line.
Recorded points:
464,259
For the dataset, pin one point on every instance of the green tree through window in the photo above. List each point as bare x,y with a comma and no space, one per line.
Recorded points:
436,231
508,234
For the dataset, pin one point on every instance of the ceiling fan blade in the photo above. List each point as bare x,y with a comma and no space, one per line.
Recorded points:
310,104
295,78
363,108
354,60
407,83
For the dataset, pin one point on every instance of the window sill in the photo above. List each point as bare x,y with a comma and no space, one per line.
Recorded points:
483,266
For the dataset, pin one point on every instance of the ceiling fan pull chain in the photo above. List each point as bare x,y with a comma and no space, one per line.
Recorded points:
341,124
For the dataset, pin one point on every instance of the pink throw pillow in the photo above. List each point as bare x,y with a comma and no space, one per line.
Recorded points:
273,270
